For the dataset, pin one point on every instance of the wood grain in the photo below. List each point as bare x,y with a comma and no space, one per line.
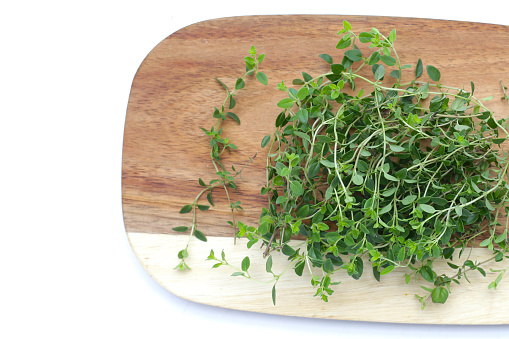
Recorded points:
174,93
365,299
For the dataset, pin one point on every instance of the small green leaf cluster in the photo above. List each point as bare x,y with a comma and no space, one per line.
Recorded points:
243,271
218,145
398,176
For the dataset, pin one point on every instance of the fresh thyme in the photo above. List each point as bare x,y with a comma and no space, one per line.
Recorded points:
218,145
398,175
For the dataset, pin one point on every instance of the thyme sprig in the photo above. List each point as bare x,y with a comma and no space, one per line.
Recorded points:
395,175
399,177
225,178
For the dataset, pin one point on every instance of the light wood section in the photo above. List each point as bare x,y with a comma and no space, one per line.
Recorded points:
391,300
174,93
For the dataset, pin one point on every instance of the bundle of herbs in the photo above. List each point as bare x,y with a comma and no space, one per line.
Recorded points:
397,176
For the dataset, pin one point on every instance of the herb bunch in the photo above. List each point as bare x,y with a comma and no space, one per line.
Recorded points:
218,146
397,176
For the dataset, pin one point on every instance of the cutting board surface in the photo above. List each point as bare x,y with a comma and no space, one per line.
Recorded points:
174,93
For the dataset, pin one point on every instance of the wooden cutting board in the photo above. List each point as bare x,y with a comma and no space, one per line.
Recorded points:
174,93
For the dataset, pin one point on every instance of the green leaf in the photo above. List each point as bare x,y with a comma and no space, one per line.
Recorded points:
303,115
281,119
296,188
401,254
281,199
274,294
216,115
485,242
435,142
354,55
357,179
433,72
439,295
328,266
324,138
488,205
239,84
186,209
385,209
209,198
326,57
390,177
262,78
183,254
389,192
427,273
303,211
344,42
423,200
365,37
201,182
278,181
396,148
459,105
299,268
401,174
245,264
395,74
234,117
427,208
268,264
236,274
407,278
203,207
492,123
453,266
285,103
232,102
439,201
307,77
408,199
458,210
359,268
392,36
302,93
378,71
418,69
180,228
365,153
376,273
224,85
374,58
265,141
199,235
337,68
287,250
388,60
387,270
327,163
285,172
362,166
501,237
498,141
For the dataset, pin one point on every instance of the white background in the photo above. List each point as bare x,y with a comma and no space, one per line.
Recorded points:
67,270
